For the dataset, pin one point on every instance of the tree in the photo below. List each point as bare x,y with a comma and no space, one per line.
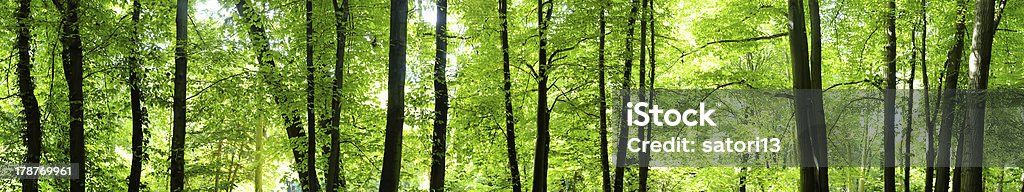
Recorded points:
180,85
71,40
606,184
889,157
910,111
314,183
334,179
980,58
541,148
929,183
620,156
510,121
810,123
139,116
292,121
948,93
440,98
391,169
641,130
26,92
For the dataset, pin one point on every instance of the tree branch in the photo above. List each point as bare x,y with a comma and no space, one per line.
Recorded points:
215,83
735,41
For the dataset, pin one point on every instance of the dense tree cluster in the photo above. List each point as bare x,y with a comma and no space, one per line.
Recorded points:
495,95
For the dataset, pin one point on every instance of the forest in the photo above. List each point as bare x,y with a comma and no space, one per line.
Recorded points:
510,95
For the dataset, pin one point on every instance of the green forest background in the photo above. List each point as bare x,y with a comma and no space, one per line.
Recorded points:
226,95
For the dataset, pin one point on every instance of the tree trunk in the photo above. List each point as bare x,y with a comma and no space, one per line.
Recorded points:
139,116
818,128
889,158
540,168
606,183
257,175
620,156
391,170
180,73
641,130
314,183
910,112
26,91
981,56
334,178
948,93
929,174
437,165
959,168
72,60
812,170
510,130
292,121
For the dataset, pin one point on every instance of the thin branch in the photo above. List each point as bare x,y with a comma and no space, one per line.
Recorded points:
847,83
741,82
735,41
8,97
215,83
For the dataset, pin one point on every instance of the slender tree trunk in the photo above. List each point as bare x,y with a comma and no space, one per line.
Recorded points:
948,93
314,183
606,183
26,91
257,175
180,78
391,170
910,112
620,156
929,174
818,128
889,159
510,130
291,117
334,178
641,130
981,56
540,168
437,165
808,122
72,60
959,169
139,116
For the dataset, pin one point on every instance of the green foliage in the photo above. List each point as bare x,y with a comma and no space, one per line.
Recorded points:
229,100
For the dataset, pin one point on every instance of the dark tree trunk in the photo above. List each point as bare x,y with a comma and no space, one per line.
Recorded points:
440,98
818,121
540,168
809,124
981,56
929,173
26,91
948,93
180,78
510,130
620,156
959,168
910,112
334,178
139,116
606,183
314,183
292,121
641,130
889,157
72,60
391,170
